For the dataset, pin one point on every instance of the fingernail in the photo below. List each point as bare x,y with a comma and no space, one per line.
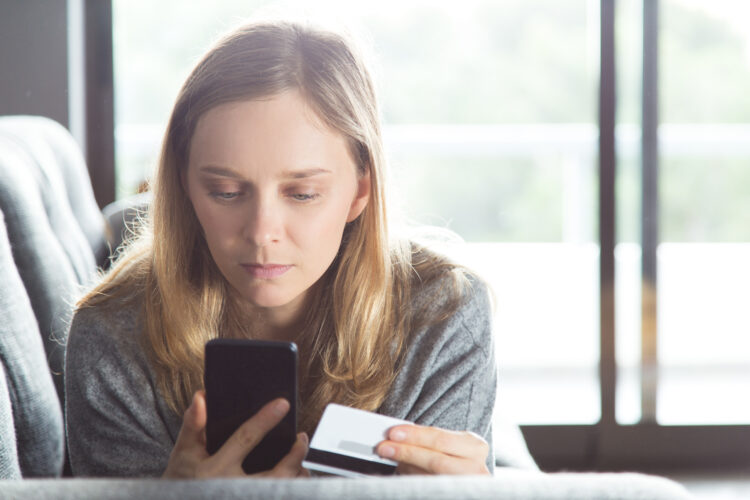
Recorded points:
281,407
386,451
303,437
397,435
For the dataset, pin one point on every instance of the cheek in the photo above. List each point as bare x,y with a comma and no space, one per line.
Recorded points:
321,232
218,227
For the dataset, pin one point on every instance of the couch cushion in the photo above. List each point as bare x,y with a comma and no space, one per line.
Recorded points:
37,416
50,250
59,156
9,468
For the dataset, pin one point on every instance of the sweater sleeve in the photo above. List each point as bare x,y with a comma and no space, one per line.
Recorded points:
114,424
448,376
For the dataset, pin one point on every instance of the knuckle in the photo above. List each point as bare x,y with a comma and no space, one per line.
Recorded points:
400,454
479,443
441,441
484,448
438,463
247,436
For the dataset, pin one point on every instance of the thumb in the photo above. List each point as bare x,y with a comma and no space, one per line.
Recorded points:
193,431
195,416
190,448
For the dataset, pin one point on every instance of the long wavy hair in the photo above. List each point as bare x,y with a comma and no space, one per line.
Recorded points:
359,317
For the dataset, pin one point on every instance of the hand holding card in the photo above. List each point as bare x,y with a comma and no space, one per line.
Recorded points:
345,440
422,449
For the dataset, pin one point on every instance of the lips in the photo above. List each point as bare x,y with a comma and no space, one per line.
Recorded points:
266,271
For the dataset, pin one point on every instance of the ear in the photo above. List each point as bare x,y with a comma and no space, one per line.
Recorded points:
362,197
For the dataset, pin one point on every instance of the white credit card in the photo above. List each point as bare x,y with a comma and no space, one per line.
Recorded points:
345,440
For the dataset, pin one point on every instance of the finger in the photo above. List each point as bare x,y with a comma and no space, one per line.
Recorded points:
459,444
250,433
200,417
408,469
190,448
193,431
291,464
431,461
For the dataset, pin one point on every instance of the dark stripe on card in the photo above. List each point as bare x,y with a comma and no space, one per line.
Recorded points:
349,463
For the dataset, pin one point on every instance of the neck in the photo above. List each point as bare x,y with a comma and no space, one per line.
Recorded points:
282,323
270,328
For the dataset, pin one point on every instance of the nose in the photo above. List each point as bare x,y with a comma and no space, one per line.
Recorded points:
263,223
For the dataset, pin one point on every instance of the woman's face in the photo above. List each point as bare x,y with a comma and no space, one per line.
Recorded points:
273,188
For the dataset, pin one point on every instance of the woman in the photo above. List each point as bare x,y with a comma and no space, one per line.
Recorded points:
269,221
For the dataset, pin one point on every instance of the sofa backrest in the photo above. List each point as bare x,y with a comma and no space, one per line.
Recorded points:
58,157
52,238
9,468
31,421
53,223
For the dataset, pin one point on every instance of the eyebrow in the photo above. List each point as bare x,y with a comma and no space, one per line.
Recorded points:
222,171
301,174
287,174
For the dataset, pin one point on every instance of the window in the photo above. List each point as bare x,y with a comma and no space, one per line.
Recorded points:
702,214
704,166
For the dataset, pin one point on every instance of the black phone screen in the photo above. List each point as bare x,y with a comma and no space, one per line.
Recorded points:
241,376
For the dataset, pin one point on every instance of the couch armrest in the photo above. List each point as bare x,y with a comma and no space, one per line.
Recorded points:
507,484
122,217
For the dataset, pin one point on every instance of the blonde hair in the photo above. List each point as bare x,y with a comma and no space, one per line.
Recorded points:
359,318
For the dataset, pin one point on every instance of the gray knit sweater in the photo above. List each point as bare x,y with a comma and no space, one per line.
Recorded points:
119,425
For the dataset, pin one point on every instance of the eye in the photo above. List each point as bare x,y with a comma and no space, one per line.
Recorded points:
304,196
224,195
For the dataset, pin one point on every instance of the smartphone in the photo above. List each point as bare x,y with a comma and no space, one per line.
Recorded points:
240,377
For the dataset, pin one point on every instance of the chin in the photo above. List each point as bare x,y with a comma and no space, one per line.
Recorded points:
268,304
268,300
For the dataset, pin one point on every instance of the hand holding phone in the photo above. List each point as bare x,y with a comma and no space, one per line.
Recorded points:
189,458
229,448
241,377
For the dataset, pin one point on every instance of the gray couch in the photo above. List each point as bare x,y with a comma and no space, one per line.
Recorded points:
53,241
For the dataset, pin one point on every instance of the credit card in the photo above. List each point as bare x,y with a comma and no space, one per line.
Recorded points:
345,440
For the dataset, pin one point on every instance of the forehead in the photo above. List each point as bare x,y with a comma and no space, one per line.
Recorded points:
279,131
